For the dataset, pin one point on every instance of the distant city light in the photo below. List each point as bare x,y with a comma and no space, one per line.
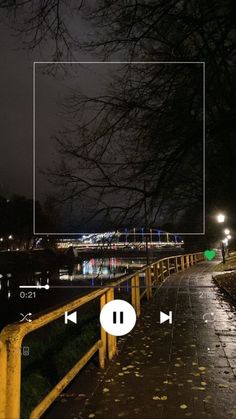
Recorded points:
227,231
1,239
10,237
220,218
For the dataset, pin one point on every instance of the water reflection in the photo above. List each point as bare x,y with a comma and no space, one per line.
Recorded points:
94,270
88,272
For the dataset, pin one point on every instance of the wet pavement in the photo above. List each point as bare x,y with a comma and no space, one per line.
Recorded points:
167,371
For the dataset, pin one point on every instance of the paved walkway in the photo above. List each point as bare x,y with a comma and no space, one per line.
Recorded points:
187,369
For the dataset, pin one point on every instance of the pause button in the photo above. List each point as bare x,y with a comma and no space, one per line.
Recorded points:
121,317
118,317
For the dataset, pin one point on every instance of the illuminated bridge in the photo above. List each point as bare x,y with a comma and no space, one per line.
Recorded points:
126,239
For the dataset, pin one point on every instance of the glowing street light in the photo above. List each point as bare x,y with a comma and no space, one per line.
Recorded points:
229,237
220,218
227,231
10,237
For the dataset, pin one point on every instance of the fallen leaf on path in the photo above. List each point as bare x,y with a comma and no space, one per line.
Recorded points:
159,398
199,388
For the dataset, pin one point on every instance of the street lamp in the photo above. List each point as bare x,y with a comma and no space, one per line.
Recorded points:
229,237
227,231
220,218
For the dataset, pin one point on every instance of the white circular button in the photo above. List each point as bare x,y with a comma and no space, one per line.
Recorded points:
118,317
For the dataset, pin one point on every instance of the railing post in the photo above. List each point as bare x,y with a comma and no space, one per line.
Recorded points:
148,277
176,264
103,349
3,381
101,354
111,340
187,261
150,281
168,266
147,283
155,272
137,289
191,259
182,263
133,292
13,377
194,258
162,270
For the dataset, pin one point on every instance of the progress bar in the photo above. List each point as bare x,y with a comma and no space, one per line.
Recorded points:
46,287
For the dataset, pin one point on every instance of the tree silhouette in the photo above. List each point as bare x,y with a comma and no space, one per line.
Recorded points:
131,134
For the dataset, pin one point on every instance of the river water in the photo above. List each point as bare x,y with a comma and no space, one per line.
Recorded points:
69,282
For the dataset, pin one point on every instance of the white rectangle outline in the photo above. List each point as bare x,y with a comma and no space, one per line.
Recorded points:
122,62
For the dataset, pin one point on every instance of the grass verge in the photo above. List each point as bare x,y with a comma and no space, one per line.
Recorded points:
227,275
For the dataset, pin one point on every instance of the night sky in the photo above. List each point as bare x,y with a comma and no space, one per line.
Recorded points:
16,117
16,71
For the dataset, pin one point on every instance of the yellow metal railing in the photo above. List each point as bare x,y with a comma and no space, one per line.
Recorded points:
12,335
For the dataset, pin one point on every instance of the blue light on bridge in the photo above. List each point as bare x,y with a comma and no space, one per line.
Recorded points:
126,235
142,229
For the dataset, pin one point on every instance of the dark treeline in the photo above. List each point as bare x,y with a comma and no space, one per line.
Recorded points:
16,222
